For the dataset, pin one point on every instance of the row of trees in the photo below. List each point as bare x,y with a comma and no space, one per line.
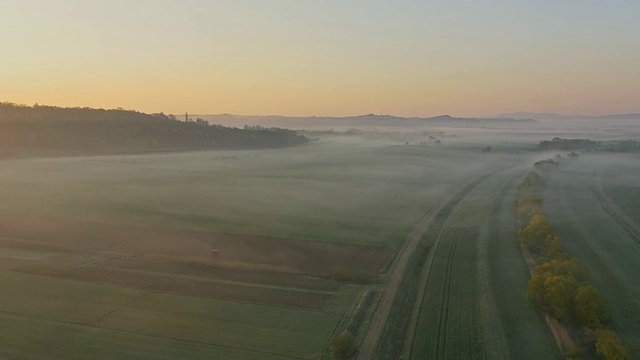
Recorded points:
629,145
559,285
588,145
48,130
567,144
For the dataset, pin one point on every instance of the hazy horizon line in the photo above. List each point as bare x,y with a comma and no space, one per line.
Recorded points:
178,114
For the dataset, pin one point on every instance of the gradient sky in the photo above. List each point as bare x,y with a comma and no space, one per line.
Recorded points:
323,57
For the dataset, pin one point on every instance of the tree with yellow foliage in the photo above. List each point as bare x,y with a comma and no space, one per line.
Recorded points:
609,346
591,309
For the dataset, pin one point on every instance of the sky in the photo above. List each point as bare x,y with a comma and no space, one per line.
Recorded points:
323,57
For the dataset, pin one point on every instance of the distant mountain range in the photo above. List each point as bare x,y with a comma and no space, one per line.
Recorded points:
552,116
369,120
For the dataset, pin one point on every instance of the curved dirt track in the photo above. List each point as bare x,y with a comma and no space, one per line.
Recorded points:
368,346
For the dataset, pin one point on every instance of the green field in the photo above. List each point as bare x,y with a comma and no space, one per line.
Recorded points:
473,304
40,313
127,295
449,325
510,320
365,192
270,254
602,234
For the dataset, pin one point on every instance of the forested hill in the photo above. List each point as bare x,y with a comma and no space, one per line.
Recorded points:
48,130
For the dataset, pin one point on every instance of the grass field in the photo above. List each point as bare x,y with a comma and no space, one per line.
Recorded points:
228,254
473,304
364,193
449,324
600,233
110,320
512,326
269,254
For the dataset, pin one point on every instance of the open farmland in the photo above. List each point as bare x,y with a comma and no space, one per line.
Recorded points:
598,224
48,318
271,254
319,180
449,316
471,302
292,193
234,254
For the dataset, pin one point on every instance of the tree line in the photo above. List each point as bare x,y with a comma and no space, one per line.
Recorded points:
559,284
558,143
588,145
47,130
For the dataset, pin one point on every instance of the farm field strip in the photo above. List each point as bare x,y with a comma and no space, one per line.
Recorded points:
191,286
628,225
383,308
626,198
501,277
72,309
273,330
595,228
494,336
98,265
620,183
242,326
512,326
67,340
599,241
269,334
254,253
449,323
203,271
438,212
433,236
223,281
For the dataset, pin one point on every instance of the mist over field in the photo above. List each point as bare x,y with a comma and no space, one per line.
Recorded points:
319,180
370,232
332,178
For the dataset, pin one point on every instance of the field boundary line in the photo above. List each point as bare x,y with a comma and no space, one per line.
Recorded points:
176,339
131,301
222,281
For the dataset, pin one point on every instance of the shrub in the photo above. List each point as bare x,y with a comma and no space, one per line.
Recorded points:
566,266
609,346
560,291
535,233
344,346
591,309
